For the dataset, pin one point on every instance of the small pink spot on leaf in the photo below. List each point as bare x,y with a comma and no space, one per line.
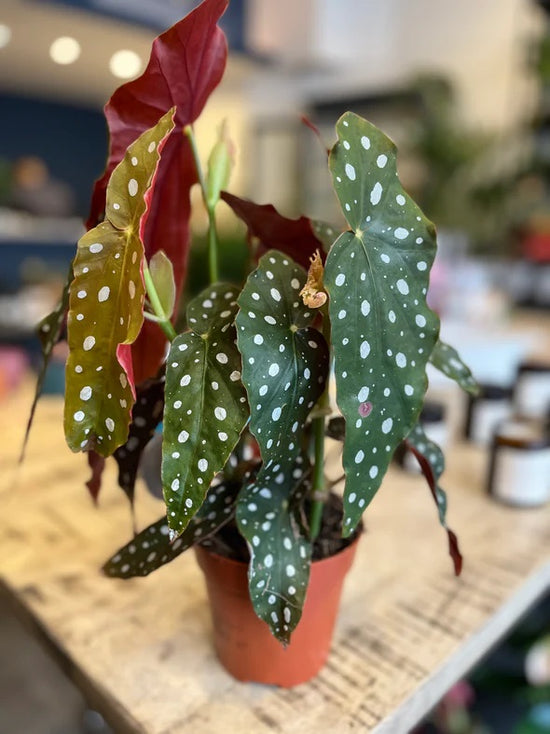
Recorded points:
365,409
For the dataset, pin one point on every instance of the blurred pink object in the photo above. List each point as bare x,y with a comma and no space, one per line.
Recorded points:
14,364
461,695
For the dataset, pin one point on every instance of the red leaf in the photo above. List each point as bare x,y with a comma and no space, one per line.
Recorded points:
294,237
97,465
187,62
427,471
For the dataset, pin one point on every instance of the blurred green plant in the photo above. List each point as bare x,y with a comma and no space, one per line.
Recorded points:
470,177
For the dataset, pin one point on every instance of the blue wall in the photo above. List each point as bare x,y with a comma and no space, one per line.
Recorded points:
72,140
160,14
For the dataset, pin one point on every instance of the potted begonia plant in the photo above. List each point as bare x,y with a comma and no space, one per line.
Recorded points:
241,381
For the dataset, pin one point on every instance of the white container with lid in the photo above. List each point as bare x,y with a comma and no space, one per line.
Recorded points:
532,390
485,411
519,472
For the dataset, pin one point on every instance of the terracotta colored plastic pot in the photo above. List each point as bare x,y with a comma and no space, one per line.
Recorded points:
245,645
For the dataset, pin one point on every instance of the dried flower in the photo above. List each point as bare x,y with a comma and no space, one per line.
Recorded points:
313,293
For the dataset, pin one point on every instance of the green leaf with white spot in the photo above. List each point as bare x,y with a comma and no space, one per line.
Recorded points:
49,332
268,512
106,303
285,360
205,406
447,360
432,463
152,548
382,329
285,367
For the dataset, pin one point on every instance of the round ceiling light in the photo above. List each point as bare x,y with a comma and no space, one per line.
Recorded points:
5,35
125,64
65,50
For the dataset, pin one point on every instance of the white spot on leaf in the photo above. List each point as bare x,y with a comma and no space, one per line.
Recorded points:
350,172
387,425
402,287
376,193
220,413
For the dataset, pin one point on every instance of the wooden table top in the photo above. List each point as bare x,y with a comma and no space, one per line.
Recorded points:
141,650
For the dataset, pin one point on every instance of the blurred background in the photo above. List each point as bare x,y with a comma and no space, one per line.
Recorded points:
462,87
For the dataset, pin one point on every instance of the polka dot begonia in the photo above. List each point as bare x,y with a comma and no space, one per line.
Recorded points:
98,400
382,329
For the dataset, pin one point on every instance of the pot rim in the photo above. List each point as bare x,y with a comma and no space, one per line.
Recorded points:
235,562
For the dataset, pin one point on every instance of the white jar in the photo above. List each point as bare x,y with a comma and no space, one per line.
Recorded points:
532,390
485,411
519,470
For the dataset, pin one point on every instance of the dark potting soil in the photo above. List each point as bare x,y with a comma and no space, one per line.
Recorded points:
228,542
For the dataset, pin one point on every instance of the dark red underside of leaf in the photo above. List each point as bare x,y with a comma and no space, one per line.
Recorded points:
167,229
294,237
187,62
96,462
454,550
146,414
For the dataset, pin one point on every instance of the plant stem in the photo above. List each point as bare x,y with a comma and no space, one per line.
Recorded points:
164,322
318,486
318,489
213,245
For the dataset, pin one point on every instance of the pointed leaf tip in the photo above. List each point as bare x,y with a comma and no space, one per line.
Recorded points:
432,463
268,515
49,331
158,544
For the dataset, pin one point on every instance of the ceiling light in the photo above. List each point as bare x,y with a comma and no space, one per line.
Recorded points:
5,35
125,64
65,50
